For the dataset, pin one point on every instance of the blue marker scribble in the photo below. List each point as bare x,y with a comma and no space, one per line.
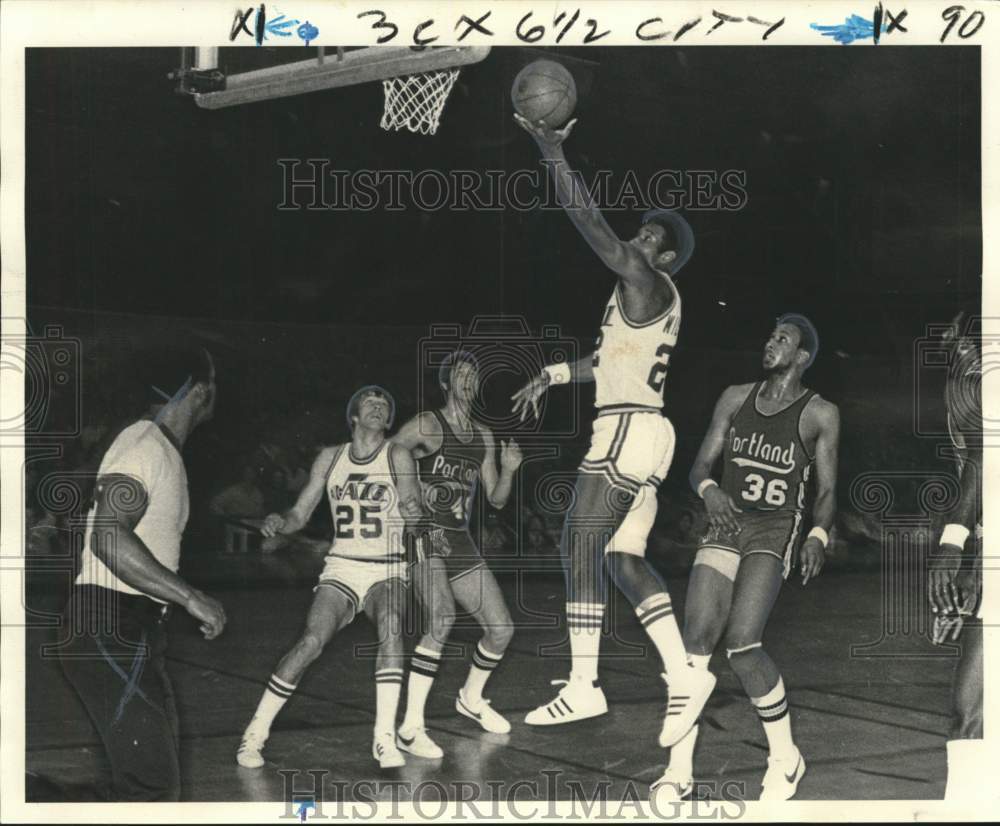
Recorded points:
853,28
308,32
304,808
277,26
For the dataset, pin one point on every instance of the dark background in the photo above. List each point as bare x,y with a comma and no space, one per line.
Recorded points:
148,217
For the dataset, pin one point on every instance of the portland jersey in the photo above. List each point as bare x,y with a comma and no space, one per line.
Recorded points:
766,465
364,503
630,360
449,476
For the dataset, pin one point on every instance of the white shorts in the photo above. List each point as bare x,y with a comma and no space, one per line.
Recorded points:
632,447
354,578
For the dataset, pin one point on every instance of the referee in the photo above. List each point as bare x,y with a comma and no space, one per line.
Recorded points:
128,583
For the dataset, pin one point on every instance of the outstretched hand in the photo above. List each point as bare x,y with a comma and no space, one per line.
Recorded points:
527,397
543,133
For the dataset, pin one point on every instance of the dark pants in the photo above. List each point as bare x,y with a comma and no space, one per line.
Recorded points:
115,659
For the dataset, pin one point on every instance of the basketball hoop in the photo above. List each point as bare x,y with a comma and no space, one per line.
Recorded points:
415,102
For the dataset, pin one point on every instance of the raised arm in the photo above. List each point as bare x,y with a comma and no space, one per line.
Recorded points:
298,516
575,198
719,505
121,503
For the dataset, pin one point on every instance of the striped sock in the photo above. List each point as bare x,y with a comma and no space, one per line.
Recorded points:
584,620
388,684
772,709
275,696
424,666
656,614
483,664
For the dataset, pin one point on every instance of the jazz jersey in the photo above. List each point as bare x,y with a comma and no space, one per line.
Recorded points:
630,360
449,476
367,522
766,465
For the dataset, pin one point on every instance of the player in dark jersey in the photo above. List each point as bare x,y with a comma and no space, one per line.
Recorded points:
773,436
454,453
955,580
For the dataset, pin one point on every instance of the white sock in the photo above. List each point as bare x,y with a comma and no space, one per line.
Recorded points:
483,664
656,614
388,684
424,666
772,709
682,754
584,621
275,696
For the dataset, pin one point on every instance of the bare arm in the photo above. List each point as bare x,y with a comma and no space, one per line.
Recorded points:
719,505
498,485
418,532
826,420
827,447
573,196
121,503
298,516
421,435
715,439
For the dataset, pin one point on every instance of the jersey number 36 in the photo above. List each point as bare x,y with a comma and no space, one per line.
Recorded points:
774,494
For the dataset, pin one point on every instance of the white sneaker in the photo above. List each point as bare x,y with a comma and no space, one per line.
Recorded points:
248,755
483,714
686,697
416,741
782,777
384,750
671,787
577,700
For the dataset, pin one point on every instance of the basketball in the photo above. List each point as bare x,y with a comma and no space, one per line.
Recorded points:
544,90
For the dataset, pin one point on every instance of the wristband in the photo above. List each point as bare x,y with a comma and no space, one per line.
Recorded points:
559,373
821,535
954,535
707,483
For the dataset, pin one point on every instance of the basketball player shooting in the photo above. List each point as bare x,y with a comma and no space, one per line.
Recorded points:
374,491
631,448
771,436
955,581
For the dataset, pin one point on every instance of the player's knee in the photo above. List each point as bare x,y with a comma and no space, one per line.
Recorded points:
497,636
742,655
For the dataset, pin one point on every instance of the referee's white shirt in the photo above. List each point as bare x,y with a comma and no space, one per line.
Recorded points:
144,453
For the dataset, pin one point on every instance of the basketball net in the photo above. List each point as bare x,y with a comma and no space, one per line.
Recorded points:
415,102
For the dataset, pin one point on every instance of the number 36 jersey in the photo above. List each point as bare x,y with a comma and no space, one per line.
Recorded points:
367,522
630,360
766,465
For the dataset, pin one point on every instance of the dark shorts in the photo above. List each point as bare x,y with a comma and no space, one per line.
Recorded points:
459,553
761,532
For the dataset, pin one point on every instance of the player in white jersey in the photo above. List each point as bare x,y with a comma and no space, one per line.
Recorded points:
374,493
630,452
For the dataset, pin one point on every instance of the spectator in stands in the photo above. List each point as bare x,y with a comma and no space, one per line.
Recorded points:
244,498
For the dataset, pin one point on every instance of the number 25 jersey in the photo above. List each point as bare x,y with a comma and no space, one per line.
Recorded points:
630,360
364,502
766,465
